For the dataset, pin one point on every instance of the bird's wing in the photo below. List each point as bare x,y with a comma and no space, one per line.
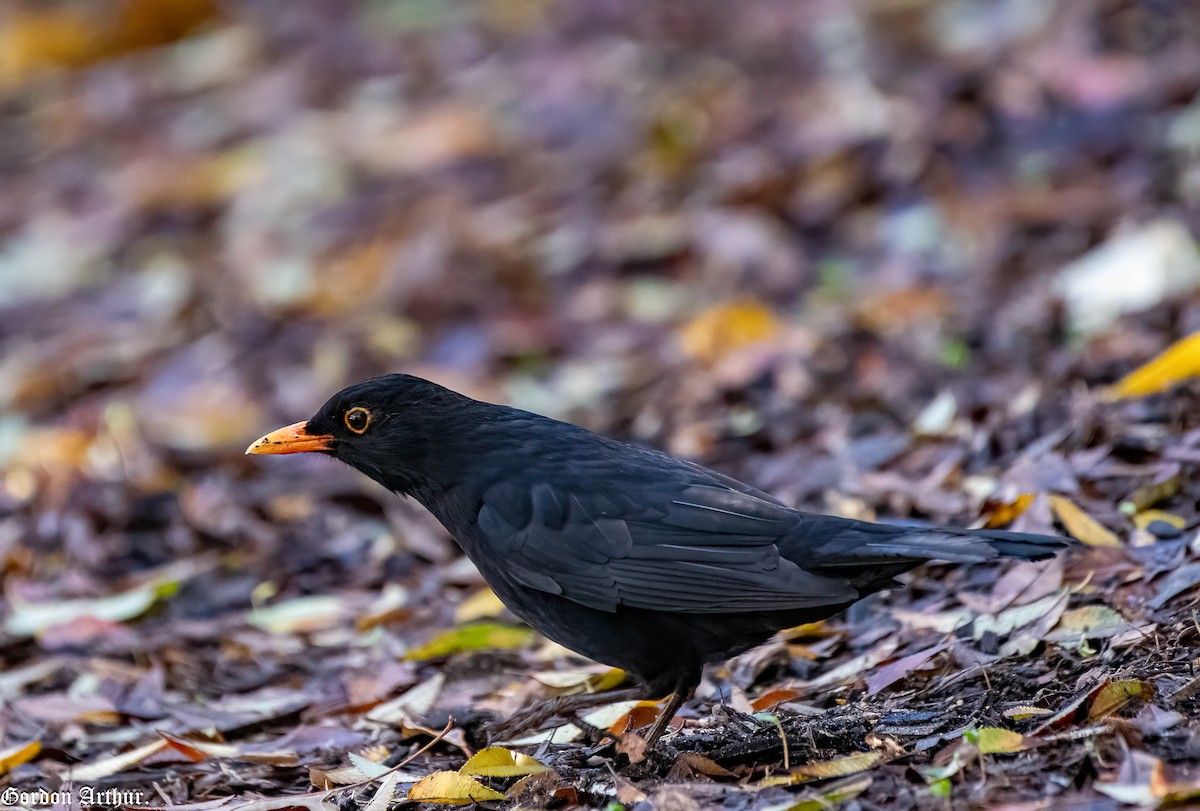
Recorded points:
690,546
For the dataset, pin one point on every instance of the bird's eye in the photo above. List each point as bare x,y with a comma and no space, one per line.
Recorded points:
358,419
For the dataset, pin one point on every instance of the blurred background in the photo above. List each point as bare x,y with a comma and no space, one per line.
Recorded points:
863,254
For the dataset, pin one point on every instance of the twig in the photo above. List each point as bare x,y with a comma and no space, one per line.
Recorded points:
315,796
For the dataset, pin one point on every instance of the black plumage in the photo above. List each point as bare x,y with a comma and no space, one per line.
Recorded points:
627,555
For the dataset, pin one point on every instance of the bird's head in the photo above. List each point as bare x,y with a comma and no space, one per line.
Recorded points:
387,427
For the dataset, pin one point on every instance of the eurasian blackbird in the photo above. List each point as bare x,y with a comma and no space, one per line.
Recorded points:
627,555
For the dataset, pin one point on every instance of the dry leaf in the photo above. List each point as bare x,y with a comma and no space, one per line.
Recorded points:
1088,622
993,740
897,670
1116,694
832,795
632,746
727,328
1002,513
385,794
838,767
14,756
451,788
105,767
486,636
1176,363
1080,525
483,604
496,761
303,614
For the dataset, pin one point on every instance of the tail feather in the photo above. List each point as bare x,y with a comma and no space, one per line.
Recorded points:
839,542
1023,545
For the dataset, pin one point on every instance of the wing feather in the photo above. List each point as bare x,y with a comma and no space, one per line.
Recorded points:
701,548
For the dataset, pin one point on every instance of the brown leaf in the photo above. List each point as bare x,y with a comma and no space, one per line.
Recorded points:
895,671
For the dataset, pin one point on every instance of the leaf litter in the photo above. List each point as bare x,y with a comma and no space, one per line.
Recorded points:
884,302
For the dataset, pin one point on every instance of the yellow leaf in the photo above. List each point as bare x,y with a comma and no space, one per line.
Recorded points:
582,679
34,41
1002,514
483,604
499,762
838,767
487,636
1177,362
1116,694
727,328
993,740
75,35
14,756
1082,526
833,794
1146,517
451,788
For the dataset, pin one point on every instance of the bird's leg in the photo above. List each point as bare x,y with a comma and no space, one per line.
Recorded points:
533,716
684,688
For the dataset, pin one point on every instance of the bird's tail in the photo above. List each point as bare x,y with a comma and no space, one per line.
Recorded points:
844,542
1023,545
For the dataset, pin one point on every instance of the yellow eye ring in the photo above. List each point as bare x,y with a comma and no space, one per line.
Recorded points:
358,419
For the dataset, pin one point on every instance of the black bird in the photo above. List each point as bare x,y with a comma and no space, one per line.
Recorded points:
627,555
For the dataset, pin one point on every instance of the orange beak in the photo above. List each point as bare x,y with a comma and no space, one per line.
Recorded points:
292,439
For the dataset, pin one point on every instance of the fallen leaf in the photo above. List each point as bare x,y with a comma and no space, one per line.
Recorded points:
583,679
1145,518
486,636
832,795
1020,616
385,794
1001,514
496,761
627,793
895,671
1080,525
633,747
105,767
1176,363
483,604
689,764
410,707
301,615
1116,694
641,714
14,756
29,619
726,329
1177,582
773,698
1088,622
838,767
451,788
994,740
854,668
1098,287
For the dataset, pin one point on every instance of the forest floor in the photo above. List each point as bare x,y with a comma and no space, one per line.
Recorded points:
885,260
